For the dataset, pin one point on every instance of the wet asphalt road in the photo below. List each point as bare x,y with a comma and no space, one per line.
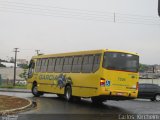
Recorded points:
50,104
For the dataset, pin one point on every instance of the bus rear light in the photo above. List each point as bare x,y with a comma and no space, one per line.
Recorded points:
137,86
102,82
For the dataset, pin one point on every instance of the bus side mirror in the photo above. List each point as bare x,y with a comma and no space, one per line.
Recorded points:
159,7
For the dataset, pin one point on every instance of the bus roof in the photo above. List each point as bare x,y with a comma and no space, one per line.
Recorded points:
80,53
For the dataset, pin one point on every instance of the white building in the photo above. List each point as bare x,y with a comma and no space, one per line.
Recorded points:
8,65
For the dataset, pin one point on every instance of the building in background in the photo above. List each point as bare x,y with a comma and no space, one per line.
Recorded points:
150,72
157,68
19,61
22,61
7,64
153,69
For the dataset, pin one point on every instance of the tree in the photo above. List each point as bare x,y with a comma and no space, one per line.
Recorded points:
1,65
24,66
143,67
23,74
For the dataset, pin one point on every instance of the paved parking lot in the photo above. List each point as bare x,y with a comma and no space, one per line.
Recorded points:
51,104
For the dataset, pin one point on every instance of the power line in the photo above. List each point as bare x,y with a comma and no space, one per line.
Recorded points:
71,16
136,15
34,9
79,17
69,9
55,7
51,10
57,12
55,15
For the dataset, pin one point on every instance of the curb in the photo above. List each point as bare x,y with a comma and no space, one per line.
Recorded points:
15,91
11,111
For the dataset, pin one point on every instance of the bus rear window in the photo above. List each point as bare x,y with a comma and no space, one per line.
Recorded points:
121,61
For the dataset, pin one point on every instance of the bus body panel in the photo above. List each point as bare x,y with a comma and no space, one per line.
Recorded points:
117,83
84,85
121,83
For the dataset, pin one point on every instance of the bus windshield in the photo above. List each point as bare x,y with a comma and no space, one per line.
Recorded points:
121,61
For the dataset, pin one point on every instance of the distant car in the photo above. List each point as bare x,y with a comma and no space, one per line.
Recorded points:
149,91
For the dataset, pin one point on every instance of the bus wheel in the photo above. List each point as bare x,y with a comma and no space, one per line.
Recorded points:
35,91
68,93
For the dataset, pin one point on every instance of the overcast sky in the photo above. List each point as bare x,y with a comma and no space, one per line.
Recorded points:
55,26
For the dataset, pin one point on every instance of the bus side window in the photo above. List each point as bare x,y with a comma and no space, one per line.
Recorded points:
79,64
38,65
87,63
70,64
96,62
36,69
51,64
44,65
67,64
59,64
75,64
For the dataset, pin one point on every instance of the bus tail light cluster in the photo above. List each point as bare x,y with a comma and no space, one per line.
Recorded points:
137,86
102,82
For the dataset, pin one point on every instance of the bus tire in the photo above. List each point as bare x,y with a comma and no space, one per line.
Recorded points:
68,93
35,91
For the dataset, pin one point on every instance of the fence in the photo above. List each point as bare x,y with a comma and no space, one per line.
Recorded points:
6,76
152,81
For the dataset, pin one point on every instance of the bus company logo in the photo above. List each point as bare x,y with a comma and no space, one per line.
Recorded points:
108,83
63,80
47,77
121,79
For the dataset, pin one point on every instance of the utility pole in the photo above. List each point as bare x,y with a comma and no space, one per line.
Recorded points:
159,7
37,51
15,61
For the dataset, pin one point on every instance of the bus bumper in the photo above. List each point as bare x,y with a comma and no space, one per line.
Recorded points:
118,94
109,97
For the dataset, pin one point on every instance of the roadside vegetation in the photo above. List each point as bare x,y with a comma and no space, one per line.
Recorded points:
143,67
16,86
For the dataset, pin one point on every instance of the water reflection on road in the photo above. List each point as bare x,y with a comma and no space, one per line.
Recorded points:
51,104
60,106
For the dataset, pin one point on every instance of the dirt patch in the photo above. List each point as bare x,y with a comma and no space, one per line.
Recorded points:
11,102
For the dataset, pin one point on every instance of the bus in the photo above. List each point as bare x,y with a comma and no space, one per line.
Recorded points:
97,74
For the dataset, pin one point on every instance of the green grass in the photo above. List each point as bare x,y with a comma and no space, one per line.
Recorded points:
12,87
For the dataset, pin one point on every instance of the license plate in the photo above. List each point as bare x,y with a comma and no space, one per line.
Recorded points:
119,94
